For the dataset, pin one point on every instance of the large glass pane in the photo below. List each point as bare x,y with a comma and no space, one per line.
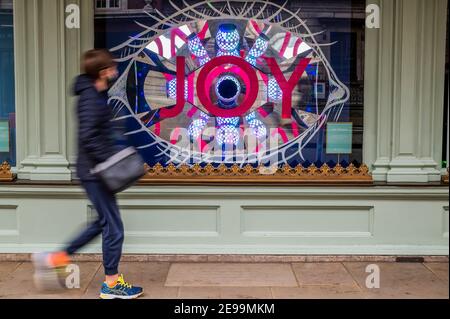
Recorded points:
7,102
316,117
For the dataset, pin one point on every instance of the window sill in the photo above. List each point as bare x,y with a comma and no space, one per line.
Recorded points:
442,184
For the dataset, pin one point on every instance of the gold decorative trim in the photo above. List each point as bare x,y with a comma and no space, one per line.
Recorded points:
5,173
246,174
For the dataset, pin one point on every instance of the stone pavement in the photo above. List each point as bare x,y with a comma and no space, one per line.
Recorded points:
166,280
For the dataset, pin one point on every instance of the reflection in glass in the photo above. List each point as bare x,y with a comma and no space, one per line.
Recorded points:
7,97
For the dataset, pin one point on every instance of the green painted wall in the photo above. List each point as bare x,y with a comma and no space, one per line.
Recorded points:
270,220
404,89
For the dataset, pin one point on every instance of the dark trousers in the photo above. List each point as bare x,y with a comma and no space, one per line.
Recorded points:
108,223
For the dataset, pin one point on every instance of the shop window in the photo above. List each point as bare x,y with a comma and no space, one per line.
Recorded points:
7,97
242,113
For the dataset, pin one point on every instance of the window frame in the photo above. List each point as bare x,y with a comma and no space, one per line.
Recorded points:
108,7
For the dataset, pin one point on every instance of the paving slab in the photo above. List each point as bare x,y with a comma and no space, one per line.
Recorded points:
401,281
6,268
439,269
317,292
151,276
199,293
230,275
19,284
324,274
157,292
245,293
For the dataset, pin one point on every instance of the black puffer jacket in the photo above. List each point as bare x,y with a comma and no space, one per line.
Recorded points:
95,130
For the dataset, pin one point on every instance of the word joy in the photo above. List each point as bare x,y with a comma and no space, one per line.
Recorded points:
220,65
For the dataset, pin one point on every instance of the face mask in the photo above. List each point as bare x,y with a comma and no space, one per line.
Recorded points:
111,81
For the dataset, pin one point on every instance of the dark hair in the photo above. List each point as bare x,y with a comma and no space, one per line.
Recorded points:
94,61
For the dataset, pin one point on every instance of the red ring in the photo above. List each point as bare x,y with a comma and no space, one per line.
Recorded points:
218,71
252,89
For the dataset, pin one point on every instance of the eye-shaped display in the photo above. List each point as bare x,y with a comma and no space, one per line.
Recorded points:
226,86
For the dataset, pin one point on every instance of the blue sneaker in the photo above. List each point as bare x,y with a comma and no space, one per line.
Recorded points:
122,290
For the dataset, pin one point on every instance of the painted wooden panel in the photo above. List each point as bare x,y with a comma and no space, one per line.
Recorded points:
8,223
237,220
307,221
142,221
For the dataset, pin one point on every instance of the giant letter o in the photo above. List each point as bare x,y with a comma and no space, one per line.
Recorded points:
252,90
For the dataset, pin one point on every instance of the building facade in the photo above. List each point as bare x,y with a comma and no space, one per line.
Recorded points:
394,79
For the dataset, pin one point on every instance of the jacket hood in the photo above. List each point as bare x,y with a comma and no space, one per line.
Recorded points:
82,82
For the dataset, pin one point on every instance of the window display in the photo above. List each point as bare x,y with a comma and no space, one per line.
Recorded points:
240,83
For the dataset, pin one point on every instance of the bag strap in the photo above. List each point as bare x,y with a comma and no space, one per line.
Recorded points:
113,160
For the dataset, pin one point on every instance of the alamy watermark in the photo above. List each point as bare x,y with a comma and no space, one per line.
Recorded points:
72,16
374,277
73,278
373,16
